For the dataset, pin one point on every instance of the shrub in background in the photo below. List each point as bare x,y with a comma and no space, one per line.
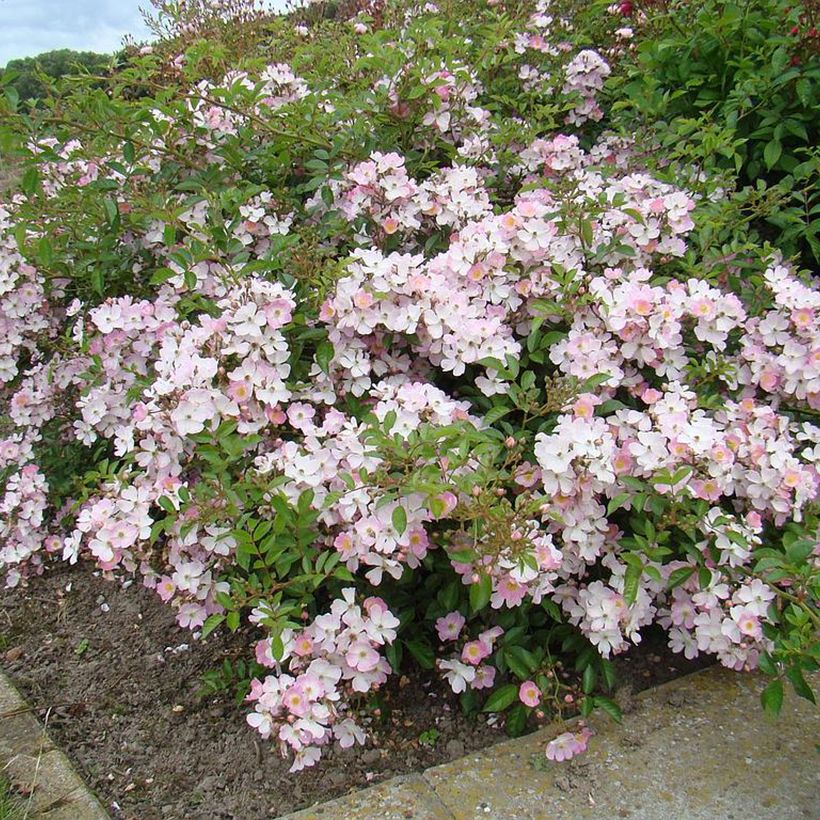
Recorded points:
734,87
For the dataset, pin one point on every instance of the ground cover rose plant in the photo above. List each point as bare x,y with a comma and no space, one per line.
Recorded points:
365,331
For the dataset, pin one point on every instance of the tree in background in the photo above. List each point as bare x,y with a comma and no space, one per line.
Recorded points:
33,73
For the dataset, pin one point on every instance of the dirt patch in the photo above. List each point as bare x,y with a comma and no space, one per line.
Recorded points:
117,681
120,680
651,663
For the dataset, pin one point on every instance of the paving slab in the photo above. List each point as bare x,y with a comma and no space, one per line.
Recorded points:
699,748
31,763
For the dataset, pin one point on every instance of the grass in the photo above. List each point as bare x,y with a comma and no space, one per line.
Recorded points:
11,805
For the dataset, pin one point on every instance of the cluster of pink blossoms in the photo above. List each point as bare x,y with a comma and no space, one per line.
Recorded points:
453,114
23,505
724,619
25,312
277,86
463,305
337,655
546,31
381,191
466,669
192,390
583,75
746,451
332,457
781,349
527,569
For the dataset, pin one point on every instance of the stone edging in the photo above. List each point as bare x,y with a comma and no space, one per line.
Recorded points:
36,768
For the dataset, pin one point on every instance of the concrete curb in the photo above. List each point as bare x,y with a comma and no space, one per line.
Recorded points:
698,748
36,768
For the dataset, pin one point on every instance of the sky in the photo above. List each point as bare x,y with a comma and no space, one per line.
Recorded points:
29,27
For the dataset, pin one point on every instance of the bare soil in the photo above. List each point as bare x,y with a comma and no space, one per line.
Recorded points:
119,685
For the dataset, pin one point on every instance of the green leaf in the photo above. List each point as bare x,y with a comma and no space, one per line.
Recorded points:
389,421
324,355
448,596
767,665
516,720
632,579
595,381
211,623
495,414
161,275
422,653
30,181
586,232
517,666
112,212
465,556
46,251
772,697
437,506
503,697
527,659
799,550
799,684
610,677
480,593
617,502
771,153
609,707
399,519
680,576
393,653
13,97
589,680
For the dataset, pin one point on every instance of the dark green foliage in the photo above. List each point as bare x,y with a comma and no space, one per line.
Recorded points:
735,85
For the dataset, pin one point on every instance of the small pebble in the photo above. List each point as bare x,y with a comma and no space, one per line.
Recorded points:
454,749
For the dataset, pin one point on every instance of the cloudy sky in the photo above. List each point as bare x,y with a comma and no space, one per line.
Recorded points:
29,27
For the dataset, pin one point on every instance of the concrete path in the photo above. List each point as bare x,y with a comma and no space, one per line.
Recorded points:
36,769
698,748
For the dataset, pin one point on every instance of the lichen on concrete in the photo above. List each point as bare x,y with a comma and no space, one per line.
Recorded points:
402,798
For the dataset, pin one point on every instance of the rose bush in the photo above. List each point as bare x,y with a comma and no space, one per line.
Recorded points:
368,333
